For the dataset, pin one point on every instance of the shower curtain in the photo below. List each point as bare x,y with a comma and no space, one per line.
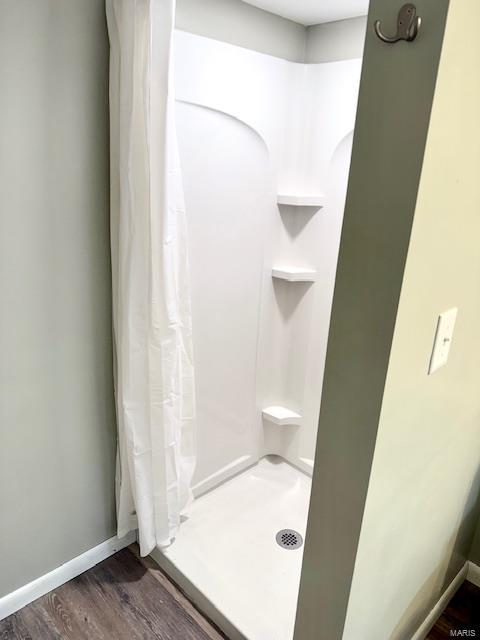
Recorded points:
154,377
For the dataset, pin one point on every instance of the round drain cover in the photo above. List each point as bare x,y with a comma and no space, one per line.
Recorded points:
289,539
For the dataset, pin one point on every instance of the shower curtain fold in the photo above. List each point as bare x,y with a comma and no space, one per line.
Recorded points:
153,366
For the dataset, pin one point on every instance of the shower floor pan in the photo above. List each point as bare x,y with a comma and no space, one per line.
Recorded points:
226,557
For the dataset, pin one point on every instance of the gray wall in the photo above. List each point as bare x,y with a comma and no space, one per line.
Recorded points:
247,26
474,554
57,428
423,497
242,24
339,40
389,142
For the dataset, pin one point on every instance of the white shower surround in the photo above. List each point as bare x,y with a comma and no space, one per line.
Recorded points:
297,122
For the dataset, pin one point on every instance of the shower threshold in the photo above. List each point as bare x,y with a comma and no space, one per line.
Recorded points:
226,557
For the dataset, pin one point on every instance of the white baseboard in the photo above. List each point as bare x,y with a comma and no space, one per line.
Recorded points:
438,609
473,574
17,599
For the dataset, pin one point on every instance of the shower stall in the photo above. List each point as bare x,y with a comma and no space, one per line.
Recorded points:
265,148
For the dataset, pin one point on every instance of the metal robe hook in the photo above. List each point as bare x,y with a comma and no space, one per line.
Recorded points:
408,24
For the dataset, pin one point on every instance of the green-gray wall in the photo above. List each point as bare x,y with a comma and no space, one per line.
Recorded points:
57,427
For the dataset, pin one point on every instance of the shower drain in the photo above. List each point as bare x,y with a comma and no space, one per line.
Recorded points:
289,539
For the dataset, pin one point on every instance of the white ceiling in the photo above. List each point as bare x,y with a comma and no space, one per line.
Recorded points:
309,12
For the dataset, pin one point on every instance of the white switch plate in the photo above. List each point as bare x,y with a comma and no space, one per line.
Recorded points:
443,339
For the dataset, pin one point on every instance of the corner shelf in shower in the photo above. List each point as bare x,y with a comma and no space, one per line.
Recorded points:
281,416
301,201
294,274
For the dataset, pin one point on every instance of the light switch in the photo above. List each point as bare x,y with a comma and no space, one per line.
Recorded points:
443,339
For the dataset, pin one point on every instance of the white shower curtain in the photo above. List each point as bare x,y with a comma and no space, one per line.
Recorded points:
154,378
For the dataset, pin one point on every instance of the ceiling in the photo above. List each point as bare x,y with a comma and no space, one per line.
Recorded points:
309,12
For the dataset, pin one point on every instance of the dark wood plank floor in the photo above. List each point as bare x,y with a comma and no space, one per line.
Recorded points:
461,614
122,598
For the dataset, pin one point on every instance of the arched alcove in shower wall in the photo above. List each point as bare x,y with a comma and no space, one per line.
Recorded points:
229,196
251,127
232,104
